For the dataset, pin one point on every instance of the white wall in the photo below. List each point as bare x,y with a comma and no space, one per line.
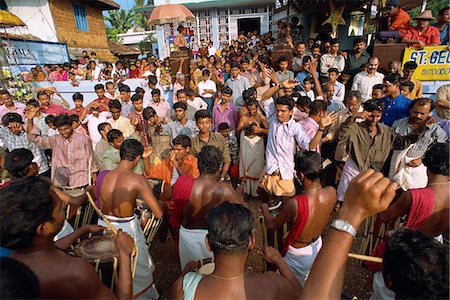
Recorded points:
36,15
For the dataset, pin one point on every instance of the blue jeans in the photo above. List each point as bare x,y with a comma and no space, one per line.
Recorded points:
385,35
210,102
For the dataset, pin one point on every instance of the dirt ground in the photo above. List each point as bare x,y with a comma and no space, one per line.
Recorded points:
168,270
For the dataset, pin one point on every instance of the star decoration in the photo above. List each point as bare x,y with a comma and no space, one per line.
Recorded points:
335,18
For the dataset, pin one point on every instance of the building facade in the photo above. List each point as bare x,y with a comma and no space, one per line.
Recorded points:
80,23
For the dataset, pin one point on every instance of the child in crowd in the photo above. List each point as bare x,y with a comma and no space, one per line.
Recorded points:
78,101
49,121
307,85
76,124
232,144
406,88
378,92
111,92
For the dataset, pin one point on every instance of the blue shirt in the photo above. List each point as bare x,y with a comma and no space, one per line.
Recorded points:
237,85
395,109
444,33
301,76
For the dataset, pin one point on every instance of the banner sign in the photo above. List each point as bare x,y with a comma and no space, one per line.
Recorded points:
23,52
433,62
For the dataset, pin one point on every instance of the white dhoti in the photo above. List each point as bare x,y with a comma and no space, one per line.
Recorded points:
65,231
349,172
406,176
251,163
143,286
300,260
192,246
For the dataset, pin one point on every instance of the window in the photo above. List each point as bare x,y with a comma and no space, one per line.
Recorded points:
3,5
80,18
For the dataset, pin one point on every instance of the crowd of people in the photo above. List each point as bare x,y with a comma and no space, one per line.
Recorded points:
324,130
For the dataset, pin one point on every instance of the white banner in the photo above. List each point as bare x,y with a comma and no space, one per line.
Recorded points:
22,52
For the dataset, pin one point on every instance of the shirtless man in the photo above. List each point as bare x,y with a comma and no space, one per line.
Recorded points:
308,213
205,193
231,238
28,226
118,193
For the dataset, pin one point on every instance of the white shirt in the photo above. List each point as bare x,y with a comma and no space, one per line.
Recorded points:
206,85
309,94
123,124
92,124
339,91
198,103
336,61
364,83
212,51
148,95
96,73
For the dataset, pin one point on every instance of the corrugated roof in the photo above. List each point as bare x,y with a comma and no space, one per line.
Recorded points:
103,4
121,49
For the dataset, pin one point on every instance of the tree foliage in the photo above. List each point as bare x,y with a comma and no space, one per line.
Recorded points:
121,19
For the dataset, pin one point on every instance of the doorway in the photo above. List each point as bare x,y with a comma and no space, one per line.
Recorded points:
246,25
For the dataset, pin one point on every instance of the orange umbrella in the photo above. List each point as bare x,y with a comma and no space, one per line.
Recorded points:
170,13
8,19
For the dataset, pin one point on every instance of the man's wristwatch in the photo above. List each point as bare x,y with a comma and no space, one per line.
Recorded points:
344,226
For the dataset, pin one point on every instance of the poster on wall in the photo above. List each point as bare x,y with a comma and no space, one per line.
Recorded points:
23,52
433,62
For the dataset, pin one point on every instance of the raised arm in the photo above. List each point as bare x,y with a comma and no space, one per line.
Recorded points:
149,198
324,122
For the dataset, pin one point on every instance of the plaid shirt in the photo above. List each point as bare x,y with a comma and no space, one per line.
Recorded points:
13,141
216,140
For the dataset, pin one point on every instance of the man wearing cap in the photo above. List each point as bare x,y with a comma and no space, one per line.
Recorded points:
423,34
398,23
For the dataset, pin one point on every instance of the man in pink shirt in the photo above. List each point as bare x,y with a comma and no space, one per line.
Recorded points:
161,106
423,34
317,110
8,105
49,108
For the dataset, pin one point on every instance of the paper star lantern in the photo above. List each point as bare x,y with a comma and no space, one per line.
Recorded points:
335,18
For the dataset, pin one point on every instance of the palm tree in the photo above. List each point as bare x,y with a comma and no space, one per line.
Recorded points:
142,19
121,20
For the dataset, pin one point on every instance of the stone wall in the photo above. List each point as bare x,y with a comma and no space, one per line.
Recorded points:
93,40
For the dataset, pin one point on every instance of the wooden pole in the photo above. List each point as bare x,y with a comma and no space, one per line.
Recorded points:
101,215
366,258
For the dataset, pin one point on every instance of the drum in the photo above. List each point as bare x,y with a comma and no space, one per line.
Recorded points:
82,215
100,251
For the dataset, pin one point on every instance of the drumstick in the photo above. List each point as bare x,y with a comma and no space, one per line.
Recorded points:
101,215
366,258
89,172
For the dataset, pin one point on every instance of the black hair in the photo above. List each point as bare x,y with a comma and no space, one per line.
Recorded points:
33,102
149,112
205,72
244,60
230,228
335,70
378,87
109,82
24,205
372,105
210,160
416,265
152,80
422,102
4,92
182,140
350,94
139,90
113,134
282,59
136,97
263,59
156,92
227,90
393,78
74,118
93,53
436,158
102,126
62,120
18,161
181,105
234,64
410,65
99,86
250,102
41,93
115,104
49,119
409,84
124,88
189,92
442,10
304,101
223,126
285,100
17,280
308,79
202,114
182,91
358,40
77,96
316,107
334,42
130,149
180,28
309,163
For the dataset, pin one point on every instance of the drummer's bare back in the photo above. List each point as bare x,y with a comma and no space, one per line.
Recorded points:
119,190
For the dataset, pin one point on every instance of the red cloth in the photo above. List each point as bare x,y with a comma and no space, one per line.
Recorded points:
422,203
180,196
299,224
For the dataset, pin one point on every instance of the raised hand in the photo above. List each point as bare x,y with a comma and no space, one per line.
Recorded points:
289,84
327,120
147,152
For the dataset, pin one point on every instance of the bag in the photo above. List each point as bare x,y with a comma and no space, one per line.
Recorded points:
275,185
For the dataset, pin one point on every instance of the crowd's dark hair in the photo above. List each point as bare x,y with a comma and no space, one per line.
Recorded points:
283,59
77,96
372,104
152,79
136,97
182,91
250,102
202,114
210,160
189,92
234,64
393,78
124,88
334,42
352,94
248,93
436,158
442,10
182,140
263,59
102,126
24,205
139,90
130,149
304,101
378,87
18,161
409,84
230,228
244,60
309,163
149,112
115,104
181,105
223,126
205,72
309,80
33,102
113,134
285,100
316,107
4,92
156,92
62,120
358,40
99,86
410,65
227,90
109,82
49,119
74,118
416,265
335,70
41,93
423,102
17,280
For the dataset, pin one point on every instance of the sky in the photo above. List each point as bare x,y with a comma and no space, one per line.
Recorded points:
125,4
